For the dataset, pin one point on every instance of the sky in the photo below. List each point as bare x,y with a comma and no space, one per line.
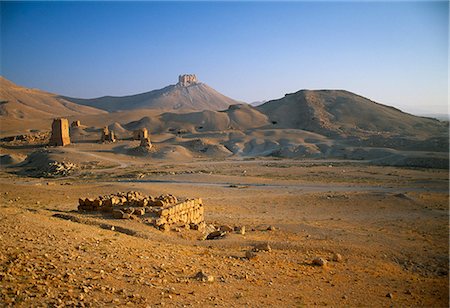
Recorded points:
395,53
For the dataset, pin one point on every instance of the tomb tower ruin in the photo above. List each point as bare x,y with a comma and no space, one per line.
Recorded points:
60,132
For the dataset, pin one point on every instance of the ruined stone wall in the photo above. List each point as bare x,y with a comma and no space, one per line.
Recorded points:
189,212
187,79
60,132
162,212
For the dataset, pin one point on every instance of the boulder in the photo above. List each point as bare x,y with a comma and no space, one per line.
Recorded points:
262,247
202,276
319,261
216,235
120,214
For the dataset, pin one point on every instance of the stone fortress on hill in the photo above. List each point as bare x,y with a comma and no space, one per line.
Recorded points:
187,80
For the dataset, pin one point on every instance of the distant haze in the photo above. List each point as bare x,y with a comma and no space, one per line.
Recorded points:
391,52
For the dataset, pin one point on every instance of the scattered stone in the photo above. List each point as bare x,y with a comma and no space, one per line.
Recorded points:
216,235
238,186
319,261
239,295
226,228
250,254
140,211
120,215
129,210
390,295
401,196
200,226
202,276
271,228
210,229
337,257
56,169
164,227
262,247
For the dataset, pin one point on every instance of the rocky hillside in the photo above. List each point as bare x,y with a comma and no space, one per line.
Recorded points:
342,113
18,102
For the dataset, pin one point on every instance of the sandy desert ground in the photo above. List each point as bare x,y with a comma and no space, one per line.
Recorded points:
325,177
382,230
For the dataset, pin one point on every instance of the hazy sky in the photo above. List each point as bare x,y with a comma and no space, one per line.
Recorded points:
395,53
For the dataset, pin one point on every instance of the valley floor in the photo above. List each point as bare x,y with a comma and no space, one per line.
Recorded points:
389,224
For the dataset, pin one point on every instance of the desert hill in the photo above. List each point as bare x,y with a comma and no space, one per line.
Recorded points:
342,113
320,124
236,117
185,95
22,103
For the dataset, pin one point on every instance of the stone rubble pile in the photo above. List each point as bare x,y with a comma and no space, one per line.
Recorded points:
56,169
28,138
162,212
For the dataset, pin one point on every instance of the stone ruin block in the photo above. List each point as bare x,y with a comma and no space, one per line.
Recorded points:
60,133
162,212
140,134
187,79
188,213
107,135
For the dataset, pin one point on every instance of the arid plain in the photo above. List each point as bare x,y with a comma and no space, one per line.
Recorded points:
335,212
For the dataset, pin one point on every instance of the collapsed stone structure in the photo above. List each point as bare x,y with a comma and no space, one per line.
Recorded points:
140,134
60,132
107,135
145,143
163,212
187,79
75,124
